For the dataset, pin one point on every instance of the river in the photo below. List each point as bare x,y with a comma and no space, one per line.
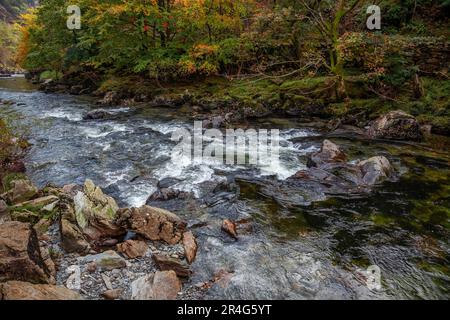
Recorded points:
297,251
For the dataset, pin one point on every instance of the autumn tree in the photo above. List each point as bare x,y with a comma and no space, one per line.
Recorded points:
327,17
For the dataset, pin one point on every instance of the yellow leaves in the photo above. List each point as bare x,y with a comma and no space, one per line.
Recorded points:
187,67
117,9
203,50
28,22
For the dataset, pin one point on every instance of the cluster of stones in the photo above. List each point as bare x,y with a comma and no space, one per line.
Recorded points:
89,221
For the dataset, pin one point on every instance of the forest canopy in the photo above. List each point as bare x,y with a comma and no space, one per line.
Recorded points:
166,39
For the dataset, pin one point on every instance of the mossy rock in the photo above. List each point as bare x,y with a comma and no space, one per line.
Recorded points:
9,178
25,216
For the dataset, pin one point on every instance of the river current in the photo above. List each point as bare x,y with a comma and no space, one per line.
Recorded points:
310,251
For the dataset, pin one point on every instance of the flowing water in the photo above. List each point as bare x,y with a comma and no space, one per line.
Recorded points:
302,251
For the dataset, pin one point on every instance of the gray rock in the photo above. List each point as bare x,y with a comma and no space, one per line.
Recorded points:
95,212
166,263
396,125
98,114
376,170
106,261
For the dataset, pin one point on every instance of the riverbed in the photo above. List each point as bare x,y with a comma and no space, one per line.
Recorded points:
290,249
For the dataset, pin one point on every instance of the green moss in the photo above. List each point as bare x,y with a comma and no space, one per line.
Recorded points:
49,74
381,219
25,216
9,178
305,83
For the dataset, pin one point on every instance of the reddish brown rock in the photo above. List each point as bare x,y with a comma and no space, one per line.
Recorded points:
113,294
329,153
20,256
17,290
21,190
229,227
132,248
162,285
16,166
155,224
166,263
190,246
91,267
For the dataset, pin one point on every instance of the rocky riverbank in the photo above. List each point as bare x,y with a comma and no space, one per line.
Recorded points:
78,238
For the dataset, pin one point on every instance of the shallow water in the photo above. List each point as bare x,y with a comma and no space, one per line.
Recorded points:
308,251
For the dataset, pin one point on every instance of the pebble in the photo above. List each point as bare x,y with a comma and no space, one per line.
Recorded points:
107,282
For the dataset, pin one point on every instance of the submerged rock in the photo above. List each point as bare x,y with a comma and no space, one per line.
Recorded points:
17,290
396,125
20,255
330,178
168,194
161,285
229,227
98,114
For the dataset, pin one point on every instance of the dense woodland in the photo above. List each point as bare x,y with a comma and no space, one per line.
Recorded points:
301,44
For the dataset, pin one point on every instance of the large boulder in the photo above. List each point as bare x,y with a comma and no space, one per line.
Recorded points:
17,290
96,212
396,125
161,285
20,255
329,153
154,223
